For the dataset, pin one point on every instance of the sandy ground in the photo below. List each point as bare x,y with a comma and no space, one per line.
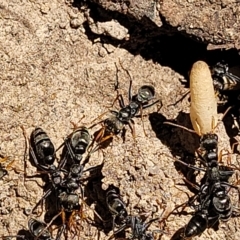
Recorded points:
52,74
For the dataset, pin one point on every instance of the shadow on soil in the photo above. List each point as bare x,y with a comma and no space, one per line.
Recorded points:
165,44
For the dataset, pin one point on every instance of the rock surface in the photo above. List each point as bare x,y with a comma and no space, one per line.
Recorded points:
55,69
213,22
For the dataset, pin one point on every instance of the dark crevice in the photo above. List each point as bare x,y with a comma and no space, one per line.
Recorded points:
164,45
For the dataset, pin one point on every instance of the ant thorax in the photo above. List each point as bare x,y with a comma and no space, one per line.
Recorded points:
128,112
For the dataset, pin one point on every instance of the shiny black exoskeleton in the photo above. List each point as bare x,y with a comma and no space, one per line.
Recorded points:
67,201
125,115
197,224
221,205
138,228
76,144
42,152
38,229
67,198
73,179
214,204
115,205
121,219
214,172
223,79
42,149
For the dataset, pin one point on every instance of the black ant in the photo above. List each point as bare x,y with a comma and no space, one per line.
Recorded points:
38,230
122,220
75,145
223,79
42,152
116,123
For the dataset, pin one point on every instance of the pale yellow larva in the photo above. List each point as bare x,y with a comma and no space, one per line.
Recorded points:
203,110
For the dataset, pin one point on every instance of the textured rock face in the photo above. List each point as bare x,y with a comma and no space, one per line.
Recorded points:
59,63
215,22
137,8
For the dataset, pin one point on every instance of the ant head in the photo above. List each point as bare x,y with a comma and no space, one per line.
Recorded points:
145,93
220,68
209,141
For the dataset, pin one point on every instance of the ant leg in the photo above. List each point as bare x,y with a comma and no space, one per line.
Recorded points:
116,84
120,229
121,101
11,167
72,224
130,82
64,226
150,222
99,217
98,139
183,96
104,139
60,232
130,87
197,187
48,192
225,113
99,117
214,125
123,134
201,158
100,135
47,226
25,152
75,125
42,167
141,108
119,96
151,104
70,151
3,159
191,166
132,127
220,157
183,205
177,125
